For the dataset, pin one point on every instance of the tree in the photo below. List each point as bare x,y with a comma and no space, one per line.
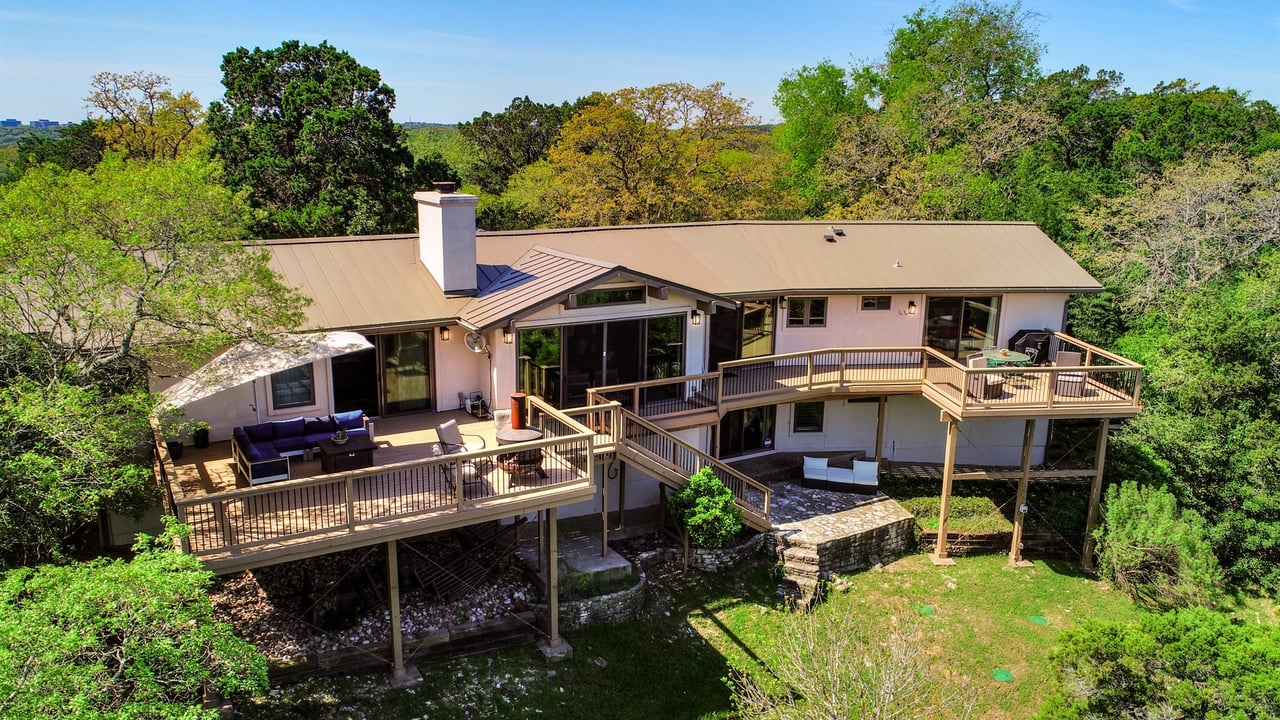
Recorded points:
514,138
954,108
812,102
115,639
77,147
140,116
307,131
706,509
1154,552
1181,665
133,261
1178,230
668,153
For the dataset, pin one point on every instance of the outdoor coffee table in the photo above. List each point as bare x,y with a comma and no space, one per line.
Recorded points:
355,454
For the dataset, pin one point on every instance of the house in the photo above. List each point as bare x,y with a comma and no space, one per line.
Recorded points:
649,351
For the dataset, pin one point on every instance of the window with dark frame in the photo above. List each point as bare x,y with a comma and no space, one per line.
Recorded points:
877,302
294,387
613,296
807,312
808,417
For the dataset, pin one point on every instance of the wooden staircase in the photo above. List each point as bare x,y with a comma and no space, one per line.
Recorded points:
672,461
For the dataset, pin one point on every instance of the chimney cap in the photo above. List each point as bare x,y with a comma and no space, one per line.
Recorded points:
444,187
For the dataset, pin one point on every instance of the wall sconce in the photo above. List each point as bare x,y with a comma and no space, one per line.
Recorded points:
697,318
911,307
444,334
508,336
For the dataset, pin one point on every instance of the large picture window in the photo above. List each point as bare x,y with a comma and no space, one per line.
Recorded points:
807,312
294,387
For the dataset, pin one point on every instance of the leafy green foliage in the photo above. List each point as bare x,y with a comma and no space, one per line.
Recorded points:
115,639
1192,663
74,147
514,138
67,453
447,144
141,117
705,507
133,260
307,131
1154,552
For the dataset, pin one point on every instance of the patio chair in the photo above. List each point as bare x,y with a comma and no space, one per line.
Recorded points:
474,403
501,419
985,386
453,440
472,471
1069,384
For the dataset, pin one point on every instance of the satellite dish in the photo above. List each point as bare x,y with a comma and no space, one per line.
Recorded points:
475,342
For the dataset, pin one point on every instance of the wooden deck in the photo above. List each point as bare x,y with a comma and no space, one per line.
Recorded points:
1106,385
408,492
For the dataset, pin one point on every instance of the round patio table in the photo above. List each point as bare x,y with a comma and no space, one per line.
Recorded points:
996,357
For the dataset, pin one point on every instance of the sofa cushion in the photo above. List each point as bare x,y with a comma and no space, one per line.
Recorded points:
274,469
815,468
320,425
866,472
292,444
353,420
291,428
260,451
260,433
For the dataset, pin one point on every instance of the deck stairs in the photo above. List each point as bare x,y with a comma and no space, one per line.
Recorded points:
672,461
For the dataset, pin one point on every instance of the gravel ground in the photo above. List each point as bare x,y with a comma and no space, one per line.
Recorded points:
272,607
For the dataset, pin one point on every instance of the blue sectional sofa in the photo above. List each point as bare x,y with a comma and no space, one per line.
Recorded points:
261,452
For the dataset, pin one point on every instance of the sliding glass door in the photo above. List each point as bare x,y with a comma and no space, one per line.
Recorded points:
406,371
960,325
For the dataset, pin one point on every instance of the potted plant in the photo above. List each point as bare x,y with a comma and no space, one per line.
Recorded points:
340,437
175,431
200,433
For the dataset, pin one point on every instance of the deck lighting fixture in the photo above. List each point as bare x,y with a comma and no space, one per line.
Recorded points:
697,318
444,334
911,307
508,336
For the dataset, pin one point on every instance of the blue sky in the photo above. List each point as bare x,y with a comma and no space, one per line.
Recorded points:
449,61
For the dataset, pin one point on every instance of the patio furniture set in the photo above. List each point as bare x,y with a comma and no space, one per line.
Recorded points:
261,453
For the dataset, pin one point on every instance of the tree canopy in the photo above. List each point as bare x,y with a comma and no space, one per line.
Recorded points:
115,639
514,138
140,116
307,131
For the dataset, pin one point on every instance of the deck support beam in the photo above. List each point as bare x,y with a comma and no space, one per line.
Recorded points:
400,676
1095,493
1019,515
939,556
884,400
553,579
604,506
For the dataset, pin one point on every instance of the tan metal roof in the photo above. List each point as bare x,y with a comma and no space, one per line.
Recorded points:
541,277
362,282
745,258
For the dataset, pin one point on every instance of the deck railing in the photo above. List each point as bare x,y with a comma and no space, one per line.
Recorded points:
1110,382
681,457
347,502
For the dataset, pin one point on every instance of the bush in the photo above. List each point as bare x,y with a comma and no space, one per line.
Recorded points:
1191,663
1155,553
705,507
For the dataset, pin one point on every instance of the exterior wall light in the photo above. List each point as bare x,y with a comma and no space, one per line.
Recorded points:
444,334
911,307
508,336
697,318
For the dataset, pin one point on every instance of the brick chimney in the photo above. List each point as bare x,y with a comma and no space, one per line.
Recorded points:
447,237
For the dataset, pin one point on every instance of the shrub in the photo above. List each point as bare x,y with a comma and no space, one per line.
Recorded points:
1191,663
1155,553
705,507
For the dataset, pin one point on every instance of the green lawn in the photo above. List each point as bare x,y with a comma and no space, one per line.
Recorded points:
696,627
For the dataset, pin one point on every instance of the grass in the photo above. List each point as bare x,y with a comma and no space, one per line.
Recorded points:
696,628
979,506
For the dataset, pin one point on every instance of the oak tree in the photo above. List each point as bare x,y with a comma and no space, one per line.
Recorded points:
140,115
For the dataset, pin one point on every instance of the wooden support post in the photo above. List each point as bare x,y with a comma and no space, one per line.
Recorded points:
393,594
622,492
1095,493
662,509
939,556
1019,516
884,400
553,580
604,506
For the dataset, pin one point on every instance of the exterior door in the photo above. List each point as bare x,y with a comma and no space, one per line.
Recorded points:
406,371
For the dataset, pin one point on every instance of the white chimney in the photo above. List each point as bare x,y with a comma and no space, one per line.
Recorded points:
447,237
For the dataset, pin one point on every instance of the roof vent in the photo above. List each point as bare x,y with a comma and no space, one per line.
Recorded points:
838,232
897,264
829,238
